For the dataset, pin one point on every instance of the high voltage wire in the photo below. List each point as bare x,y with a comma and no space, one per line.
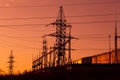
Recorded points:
80,36
34,6
27,18
96,40
95,22
11,44
92,49
22,25
39,25
73,4
40,37
33,2
21,38
92,34
21,46
96,15
93,37
28,30
94,3
28,47
15,38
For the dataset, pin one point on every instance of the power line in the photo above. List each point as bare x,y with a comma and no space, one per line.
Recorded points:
92,49
20,36
27,18
73,4
94,22
95,15
93,3
25,38
11,44
28,29
101,34
93,37
33,2
33,25
29,25
28,47
30,18
34,6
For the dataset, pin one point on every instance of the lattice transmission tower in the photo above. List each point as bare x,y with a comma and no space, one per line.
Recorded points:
11,61
63,39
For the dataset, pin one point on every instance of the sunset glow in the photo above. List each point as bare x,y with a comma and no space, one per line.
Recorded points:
23,23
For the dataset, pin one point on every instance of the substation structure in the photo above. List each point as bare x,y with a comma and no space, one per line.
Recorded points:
60,53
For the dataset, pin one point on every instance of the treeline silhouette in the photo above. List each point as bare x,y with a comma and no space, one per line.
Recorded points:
77,72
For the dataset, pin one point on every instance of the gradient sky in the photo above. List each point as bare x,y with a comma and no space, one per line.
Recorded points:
26,41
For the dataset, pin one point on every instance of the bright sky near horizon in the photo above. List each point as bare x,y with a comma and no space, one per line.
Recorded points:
21,27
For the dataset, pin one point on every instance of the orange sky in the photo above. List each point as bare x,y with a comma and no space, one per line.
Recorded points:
26,41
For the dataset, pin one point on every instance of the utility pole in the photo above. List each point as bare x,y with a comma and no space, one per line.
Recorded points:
11,61
39,60
50,58
54,57
44,53
116,52
109,49
69,47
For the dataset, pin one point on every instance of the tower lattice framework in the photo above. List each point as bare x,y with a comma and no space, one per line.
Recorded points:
63,38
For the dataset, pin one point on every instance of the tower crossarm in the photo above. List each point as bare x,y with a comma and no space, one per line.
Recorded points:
118,37
55,35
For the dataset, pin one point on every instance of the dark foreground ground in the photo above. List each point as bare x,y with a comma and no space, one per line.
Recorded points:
78,72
